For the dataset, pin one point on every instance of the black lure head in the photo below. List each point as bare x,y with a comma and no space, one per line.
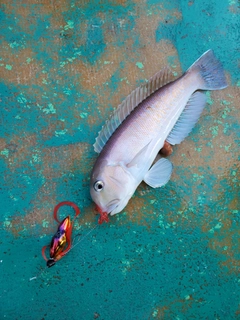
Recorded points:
51,262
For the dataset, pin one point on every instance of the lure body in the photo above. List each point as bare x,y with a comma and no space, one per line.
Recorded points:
61,241
61,238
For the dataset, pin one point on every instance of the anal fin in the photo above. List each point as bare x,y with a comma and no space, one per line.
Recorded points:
188,118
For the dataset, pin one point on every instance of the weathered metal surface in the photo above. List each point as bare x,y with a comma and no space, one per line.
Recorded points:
174,252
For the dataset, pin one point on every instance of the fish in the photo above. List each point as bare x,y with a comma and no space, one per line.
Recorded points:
162,111
61,241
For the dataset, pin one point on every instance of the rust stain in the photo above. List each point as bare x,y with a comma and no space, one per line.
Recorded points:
43,7
223,244
43,204
66,156
29,222
238,311
22,72
89,215
93,119
234,9
121,2
159,313
2,144
154,55
95,78
136,212
50,129
20,149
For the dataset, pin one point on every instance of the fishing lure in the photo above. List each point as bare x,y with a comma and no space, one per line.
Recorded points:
61,241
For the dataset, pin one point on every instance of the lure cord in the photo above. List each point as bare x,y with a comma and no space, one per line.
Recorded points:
77,211
81,239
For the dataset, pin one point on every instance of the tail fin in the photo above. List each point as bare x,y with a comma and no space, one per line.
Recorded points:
211,72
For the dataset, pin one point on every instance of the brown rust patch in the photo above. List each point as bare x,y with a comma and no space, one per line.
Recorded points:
136,212
2,144
159,313
121,2
184,304
88,215
23,71
154,55
223,244
20,149
29,223
43,205
50,129
96,78
93,119
65,156
225,247
234,9
238,311
224,231
43,7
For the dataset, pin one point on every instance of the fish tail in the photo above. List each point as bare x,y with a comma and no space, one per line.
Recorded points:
210,72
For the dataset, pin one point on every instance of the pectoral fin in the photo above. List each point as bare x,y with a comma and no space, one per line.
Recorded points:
159,173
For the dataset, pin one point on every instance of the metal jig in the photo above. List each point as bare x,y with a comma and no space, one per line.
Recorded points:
61,241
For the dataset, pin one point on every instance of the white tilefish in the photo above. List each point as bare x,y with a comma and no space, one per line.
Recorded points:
159,111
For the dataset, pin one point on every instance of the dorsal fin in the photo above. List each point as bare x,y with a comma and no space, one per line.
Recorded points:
161,78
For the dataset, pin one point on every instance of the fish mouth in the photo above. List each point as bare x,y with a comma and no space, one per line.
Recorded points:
112,205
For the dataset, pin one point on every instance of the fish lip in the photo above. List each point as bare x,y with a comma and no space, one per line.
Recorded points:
113,204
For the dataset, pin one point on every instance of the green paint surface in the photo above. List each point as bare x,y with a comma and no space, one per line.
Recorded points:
174,252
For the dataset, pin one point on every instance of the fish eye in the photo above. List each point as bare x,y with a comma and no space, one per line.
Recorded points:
98,186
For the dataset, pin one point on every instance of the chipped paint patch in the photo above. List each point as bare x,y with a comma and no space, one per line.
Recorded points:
139,65
8,67
50,109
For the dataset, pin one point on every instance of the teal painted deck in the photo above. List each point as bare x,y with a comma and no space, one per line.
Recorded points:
174,252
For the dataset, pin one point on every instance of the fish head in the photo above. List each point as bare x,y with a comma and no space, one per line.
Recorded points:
111,187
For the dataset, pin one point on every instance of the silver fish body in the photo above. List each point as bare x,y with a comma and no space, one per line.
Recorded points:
131,140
